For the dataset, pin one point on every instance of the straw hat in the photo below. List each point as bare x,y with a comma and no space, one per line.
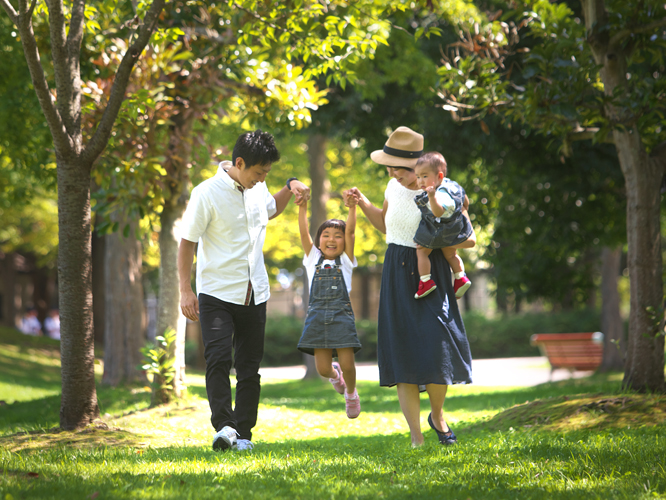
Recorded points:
402,149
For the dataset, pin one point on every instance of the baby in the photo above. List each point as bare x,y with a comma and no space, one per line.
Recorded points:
444,223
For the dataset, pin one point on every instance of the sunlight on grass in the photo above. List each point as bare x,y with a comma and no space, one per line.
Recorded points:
574,439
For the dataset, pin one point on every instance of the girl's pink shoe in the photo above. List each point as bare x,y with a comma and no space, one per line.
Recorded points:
353,404
338,383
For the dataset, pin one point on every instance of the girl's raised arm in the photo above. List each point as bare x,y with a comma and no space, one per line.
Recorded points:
350,231
306,239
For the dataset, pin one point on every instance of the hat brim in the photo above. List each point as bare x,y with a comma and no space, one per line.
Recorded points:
382,158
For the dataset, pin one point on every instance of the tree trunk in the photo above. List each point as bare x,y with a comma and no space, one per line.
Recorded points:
98,287
644,368
611,322
169,315
79,398
319,194
40,293
124,327
8,291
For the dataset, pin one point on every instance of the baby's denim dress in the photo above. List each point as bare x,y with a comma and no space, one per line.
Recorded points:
440,232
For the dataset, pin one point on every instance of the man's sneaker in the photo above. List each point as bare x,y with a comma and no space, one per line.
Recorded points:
425,287
225,439
338,383
244,445
352,404
461,285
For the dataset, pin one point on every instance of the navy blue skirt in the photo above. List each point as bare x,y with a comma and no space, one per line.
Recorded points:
420,341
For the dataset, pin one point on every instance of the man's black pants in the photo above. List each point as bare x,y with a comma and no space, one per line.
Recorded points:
226,327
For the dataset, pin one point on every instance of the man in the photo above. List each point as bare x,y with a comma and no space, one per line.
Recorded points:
227,216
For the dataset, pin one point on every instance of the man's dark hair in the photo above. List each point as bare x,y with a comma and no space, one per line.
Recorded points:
256,148
335,223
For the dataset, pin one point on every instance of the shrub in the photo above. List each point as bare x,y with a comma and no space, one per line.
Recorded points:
500,337
509,336
284,332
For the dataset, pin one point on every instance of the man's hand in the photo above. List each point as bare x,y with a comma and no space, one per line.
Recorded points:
189,305
300,191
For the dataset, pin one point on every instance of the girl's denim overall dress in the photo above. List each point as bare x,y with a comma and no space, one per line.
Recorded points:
330,320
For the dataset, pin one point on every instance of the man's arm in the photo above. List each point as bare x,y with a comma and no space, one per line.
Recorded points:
282,198
188,300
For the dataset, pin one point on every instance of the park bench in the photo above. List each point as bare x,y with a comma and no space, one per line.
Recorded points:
573,351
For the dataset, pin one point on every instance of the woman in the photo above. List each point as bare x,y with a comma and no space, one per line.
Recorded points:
420,342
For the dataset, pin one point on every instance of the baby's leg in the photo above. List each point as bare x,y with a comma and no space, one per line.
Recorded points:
423,259
454,260
323,359
346,360
461,283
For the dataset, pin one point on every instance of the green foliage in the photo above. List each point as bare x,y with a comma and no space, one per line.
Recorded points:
533,64
159,363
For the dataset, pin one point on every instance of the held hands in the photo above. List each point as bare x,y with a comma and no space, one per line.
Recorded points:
351,197
300,191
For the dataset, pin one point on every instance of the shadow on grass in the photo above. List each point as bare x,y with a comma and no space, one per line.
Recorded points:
316,395
44,413
350,466
17,370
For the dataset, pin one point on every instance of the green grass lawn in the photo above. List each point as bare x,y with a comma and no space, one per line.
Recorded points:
581,438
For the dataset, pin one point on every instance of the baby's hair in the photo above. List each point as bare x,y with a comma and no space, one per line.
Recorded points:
334,223
434,160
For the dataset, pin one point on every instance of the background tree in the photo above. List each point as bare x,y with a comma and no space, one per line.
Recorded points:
74,158
591,73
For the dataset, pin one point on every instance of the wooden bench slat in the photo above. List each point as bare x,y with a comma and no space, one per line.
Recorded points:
579,351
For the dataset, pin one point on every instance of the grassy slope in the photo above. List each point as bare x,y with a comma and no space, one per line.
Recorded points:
573,439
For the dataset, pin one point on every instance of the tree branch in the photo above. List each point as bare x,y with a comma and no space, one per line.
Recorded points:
101,136
10,11
62,67
625,33
61,139
75,35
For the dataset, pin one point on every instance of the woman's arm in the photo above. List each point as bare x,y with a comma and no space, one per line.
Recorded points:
350,231
375,215
306,239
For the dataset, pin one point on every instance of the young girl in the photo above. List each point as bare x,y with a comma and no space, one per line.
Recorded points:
329,326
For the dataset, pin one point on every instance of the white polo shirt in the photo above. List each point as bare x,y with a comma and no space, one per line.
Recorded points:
230,227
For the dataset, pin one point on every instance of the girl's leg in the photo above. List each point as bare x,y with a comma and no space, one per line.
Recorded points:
453,259
323,359
437,394
410,404
346,360
423,259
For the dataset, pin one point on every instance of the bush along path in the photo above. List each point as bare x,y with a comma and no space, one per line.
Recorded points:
575,439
